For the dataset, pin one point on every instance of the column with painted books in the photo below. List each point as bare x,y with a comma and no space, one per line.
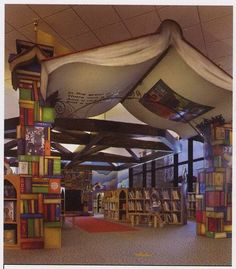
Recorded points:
214,198
39,172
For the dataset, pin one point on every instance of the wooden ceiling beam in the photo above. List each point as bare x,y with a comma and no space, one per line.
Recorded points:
60,148
133,154
93,125
9,145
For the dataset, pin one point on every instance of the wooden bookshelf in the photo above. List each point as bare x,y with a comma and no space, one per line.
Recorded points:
11,211
191,205
122,204
115,205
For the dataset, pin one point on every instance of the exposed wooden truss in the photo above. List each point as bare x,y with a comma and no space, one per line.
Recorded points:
97,135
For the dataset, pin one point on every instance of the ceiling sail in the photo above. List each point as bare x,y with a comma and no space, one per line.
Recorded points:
159,78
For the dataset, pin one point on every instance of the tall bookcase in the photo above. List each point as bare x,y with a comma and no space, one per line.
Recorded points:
115,204
39,172
214,198
11,211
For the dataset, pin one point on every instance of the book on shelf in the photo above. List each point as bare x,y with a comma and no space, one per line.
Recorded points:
31,227
10,236
25,184
165,195
175,194
9,211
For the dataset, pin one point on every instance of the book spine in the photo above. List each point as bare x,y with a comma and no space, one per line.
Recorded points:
24,228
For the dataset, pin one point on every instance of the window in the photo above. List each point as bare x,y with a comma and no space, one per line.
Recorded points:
183,155
198,149
164,176
197,166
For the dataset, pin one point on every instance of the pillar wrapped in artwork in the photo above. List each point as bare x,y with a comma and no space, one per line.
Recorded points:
214,198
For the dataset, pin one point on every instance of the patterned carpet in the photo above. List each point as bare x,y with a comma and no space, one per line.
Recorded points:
170,245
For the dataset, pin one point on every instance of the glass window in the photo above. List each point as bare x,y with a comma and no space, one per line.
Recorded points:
183,155
181,169
164,177
148,179
197,166
198,151
149,166
138,181
137,169
169,159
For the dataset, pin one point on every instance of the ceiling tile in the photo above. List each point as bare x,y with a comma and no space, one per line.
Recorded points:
8,28
224,62
131,11
10,40
221,28
47,10
97,16
28,31
19,15
66,23
195,37
143,24
84,41
208,13
219,49
107,36
186,16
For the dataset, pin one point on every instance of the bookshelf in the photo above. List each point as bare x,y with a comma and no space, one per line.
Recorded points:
11,211
114,204
98,202
121,204
191,205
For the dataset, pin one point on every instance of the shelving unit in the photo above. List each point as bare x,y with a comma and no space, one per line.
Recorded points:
98,202
191,205
115,205
121,204
11,211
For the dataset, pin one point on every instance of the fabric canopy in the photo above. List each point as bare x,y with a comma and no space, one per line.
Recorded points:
142,74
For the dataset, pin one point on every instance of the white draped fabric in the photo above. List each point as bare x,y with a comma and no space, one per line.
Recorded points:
89,83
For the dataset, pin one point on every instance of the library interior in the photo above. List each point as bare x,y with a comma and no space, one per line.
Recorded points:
118,135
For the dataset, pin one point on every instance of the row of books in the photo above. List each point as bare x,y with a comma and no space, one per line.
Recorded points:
214,178
215,198
31,112
154,194
52,212
29,184
31,227
29,91
31,206
221,135
171,218
214,224
39,165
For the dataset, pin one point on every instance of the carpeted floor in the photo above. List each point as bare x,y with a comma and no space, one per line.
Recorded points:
98,225
170,245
